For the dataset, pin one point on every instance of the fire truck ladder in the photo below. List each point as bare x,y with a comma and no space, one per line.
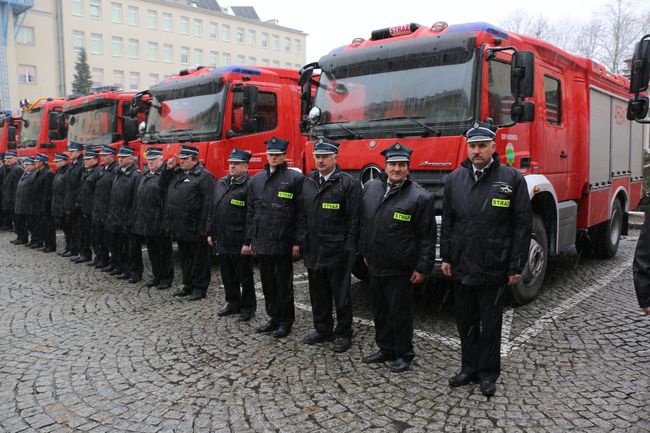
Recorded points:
17,9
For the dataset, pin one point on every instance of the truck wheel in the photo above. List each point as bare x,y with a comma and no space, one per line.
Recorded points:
608,234
533,275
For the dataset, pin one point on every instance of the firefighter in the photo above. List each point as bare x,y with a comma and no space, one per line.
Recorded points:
486,229
89,179
43,196
71,205
119,219
331,202
14,172
190,188
226,233
58,196
101,204
641,267
4,225
398,234
274,232
24,208
147,225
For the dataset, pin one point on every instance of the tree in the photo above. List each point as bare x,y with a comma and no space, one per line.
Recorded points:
623,25
82,79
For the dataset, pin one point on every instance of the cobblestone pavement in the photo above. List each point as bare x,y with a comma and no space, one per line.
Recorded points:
82,351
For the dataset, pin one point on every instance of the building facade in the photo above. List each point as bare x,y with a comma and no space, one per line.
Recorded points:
134,44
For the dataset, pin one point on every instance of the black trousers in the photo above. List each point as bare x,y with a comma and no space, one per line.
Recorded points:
33,226
73,223
479,311
195,259
159,249
20,227
61,223
99,243
276,273
325,286
119,248
85,235
134,255
237,278
47,230
393,313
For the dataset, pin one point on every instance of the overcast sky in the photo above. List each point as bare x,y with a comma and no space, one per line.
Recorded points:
336,22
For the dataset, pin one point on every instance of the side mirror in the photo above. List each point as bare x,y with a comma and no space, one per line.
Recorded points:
637,108
522,112
522,78
250,101
52,135
640,67
305,75
11,137
54,121
129,128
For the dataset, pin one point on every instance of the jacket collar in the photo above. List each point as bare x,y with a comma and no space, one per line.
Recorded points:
468,164
240,180
128,170
336,174
280,168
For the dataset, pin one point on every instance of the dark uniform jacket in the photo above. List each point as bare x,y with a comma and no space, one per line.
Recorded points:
119,217
189,195
9,186
332,219
398,229
3,174
227,216
102,196
27,200
149,204
275,220
89,179
43,191
486,225
641,267
58,191
73,185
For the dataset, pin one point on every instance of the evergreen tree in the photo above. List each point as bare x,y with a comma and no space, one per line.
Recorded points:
82,80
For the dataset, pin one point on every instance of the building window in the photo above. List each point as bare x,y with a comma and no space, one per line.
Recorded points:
118,79
297,46
77,8
297,66
134,48
116,12
25,35
185,55
275,42
239,35
266,62
117,46
198,56
27,74
96,43
251,38
225,32
241,60
167,53
287,45
252,61
166,22
225,59
95,9
153,79
287,64
265,40
78,41
214,56
134,80
132,16
276,63
97,77
185,25
213,31
198,27
152,51
152,19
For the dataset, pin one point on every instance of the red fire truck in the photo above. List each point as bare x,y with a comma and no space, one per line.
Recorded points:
43,128
219,108
102,118
562,123
9,131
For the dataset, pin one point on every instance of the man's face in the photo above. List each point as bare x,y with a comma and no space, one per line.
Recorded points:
73,154
90,162
325,164
480,153
155,163
11,161
187,163
106,159
236,169
276,159
29,168
125,161
397,171
38,165
60,164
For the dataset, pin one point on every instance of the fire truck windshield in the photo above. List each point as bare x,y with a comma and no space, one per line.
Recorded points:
380,102
32,121
94,126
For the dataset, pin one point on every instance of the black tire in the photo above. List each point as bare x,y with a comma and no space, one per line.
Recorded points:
608,234
533,274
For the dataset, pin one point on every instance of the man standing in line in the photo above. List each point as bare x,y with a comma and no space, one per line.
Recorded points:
86,195
275,230
71,205
641,267
147,224
486,229
190,189
3,211
226,233
9,186
331,201
43,196
398,237
58,197
24,210
101,204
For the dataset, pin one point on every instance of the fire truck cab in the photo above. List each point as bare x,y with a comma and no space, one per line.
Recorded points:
43,128
9,131
561,118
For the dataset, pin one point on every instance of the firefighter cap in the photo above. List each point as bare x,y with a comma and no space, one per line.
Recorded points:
126,151
2,155
479,133
276,146
42,158
107,150
397,153
58,157
28,161
238,155
154,153
75,146
187,151
90,154
10,154
325,146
